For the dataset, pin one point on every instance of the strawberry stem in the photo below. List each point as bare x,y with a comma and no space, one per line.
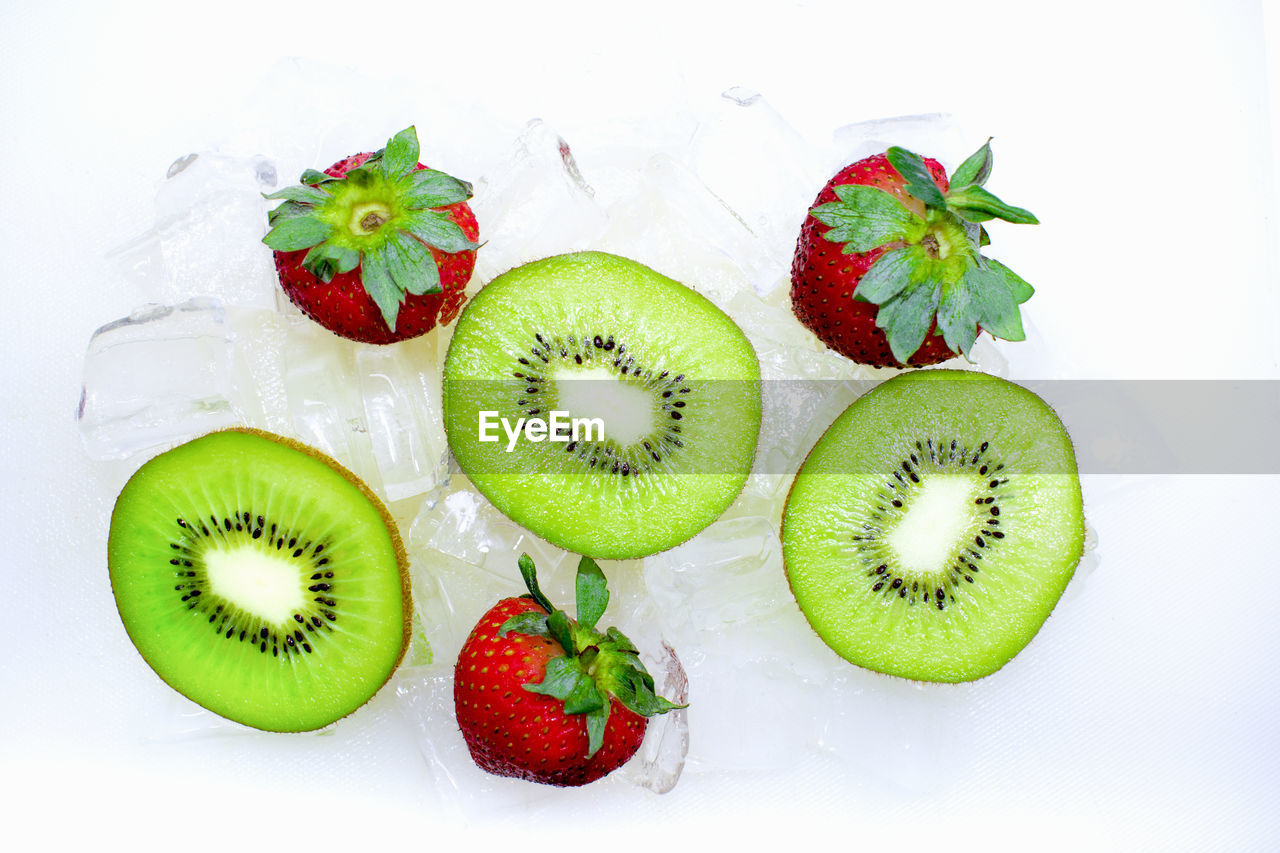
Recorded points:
930,243
368,217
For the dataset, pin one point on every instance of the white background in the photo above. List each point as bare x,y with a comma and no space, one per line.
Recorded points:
1141,134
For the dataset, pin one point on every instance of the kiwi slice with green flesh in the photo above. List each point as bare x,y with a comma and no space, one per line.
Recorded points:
260,579
672,381
934,526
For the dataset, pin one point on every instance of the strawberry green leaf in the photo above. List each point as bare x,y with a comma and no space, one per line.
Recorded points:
976,169
313,178
303,195
957,317
976,233
326,260
657,705
888,276
319,265
289,210
585,695
297,232
597,720
561,628
561,678
412,266
619,641
380,286
916,174
429,188
624,681
1018,288
907,317
401,153
645,701
865,218
997,310
623,676
529,574
346,259
365,175
975,204
564,679
438,230
533,622
592,593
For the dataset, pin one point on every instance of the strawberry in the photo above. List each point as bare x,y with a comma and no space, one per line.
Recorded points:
377,248
887,270
542,697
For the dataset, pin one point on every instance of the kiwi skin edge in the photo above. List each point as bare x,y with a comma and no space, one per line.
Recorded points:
393,530
942,681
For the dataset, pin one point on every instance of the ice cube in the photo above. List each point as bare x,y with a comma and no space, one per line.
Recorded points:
425,697
211,218
400,388
161,375
660,760
457,133
451,595
770,181
941,136
207,239
722,600
324,403
537,206
470,551
464,525
464,555
987,357
729,573
261,337
673,223
796,414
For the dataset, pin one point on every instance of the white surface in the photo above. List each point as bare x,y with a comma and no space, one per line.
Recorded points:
1139,134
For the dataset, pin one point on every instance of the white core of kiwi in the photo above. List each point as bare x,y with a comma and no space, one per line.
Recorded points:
625,409
261,584
939,516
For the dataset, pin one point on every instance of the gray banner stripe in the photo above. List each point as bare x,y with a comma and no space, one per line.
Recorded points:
1117,426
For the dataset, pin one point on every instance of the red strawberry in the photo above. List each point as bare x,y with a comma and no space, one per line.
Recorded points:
887,269
377,248
542,697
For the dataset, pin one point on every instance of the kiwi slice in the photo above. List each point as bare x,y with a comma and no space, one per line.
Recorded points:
260,579
664,387
934,525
